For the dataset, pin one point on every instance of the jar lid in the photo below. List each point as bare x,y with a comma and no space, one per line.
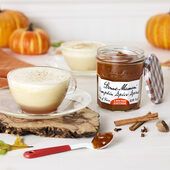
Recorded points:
154,79
116,54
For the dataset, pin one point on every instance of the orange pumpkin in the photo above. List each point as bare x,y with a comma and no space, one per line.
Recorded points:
10,20
30,41
158,31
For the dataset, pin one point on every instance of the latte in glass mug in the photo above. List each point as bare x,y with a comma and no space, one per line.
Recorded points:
39,90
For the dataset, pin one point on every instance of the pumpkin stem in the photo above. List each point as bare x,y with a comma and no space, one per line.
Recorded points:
30,27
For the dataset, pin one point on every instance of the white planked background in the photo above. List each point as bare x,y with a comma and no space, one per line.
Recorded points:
102,20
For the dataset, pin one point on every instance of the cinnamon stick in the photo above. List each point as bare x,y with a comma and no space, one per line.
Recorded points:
149,117
137,124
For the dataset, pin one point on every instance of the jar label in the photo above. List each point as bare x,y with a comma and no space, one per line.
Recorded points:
119,93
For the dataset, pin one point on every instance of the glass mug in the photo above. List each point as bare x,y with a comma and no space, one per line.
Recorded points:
40,89
119,77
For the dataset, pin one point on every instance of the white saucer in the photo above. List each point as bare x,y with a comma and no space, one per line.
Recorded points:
79,100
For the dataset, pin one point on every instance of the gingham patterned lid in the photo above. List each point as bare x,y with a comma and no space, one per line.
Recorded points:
154,79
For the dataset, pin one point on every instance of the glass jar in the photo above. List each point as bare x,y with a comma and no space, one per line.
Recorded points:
119,77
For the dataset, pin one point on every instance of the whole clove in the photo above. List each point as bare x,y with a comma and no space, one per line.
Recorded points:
117,129
144,130
142,135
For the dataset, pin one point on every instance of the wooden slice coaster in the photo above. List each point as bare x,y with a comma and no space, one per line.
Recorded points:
166,64
84,123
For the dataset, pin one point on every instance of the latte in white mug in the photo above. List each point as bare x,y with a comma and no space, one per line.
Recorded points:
38,89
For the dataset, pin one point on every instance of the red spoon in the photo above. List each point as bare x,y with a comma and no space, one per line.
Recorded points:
100,141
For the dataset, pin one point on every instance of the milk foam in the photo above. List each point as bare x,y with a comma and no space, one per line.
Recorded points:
82,45
37,76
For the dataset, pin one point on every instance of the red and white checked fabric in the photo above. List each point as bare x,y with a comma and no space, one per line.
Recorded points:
154,79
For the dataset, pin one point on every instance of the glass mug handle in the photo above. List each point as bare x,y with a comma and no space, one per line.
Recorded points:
70,96
72,86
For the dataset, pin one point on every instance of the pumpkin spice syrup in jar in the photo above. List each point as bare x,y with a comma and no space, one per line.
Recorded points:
119,77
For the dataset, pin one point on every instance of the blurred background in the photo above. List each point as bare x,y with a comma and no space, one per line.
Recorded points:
101,20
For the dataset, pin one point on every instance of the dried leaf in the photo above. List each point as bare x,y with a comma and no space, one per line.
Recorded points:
4,147
3,151
18,144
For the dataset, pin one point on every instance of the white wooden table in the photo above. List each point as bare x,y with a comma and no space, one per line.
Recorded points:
128,150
